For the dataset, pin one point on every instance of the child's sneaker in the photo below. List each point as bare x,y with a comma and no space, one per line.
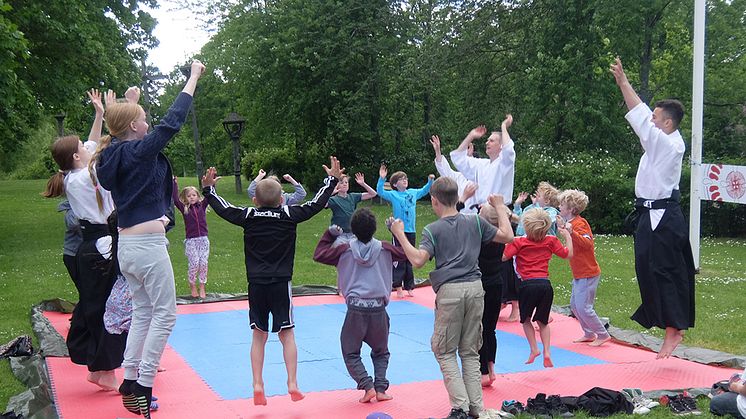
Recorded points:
677,406
690,404
513,407
557,408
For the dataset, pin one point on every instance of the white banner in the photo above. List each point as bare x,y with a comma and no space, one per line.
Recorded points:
724,183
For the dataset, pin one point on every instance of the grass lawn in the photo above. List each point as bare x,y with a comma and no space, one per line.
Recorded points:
31,269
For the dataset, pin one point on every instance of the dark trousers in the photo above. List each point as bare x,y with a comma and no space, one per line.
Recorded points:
369,325
665,271
70,264
492,296
403,272
88,342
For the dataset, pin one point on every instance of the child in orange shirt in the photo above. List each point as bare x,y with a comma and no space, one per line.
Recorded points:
585,269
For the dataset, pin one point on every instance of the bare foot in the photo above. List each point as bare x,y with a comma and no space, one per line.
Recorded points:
108,381
600,341
486,380
670,342
93,377
382,397
532,357
368,396
399,293
584,339
259,398
195,294
548,362
202,293
512,319
410,293
295,394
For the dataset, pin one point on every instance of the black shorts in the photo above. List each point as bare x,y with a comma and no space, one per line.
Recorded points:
271,298
535,294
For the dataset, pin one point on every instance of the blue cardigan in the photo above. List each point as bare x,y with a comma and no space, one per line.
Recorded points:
138,174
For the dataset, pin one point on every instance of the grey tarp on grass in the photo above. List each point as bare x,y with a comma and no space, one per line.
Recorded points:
36,403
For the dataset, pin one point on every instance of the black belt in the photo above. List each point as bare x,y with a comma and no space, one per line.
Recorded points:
92,231
663,203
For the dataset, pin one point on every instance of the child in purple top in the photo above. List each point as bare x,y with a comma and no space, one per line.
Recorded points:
193,207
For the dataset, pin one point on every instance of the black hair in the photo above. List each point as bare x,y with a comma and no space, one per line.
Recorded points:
673,108
363,224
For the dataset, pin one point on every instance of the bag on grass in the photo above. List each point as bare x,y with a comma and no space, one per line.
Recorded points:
20,346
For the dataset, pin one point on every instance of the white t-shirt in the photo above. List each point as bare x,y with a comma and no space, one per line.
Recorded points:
444,169
82,197
659,170
492,176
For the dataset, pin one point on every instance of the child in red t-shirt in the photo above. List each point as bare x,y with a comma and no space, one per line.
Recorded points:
535,293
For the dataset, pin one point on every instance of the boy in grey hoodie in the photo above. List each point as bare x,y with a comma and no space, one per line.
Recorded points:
364,268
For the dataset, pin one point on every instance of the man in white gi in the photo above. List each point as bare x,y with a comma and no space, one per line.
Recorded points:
663,255
444,169
495,174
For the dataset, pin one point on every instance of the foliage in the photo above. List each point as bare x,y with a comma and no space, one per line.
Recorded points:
54,51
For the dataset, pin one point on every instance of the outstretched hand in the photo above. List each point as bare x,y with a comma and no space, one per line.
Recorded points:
95,97
383,171
110,98
521,198
435,141
334,169
260,175
477,132
360,178
210,178
469,191
618,71
395,225
508,121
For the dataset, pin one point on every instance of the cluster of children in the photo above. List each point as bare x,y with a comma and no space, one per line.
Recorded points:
478,257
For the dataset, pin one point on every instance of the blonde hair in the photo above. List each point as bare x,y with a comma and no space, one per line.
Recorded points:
268,193
489,213
537,223
62,151
185,201
445,190
550,192
575,200
118,117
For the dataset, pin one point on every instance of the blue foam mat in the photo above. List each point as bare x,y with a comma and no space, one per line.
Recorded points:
217,346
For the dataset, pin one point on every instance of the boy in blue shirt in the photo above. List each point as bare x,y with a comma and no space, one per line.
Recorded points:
403,202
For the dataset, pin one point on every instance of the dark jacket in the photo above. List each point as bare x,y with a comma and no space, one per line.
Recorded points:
138,174
270,233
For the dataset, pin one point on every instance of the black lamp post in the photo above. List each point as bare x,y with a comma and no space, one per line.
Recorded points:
186,70
233,125
60,117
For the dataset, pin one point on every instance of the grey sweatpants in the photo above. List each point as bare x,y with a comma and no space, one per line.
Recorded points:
369,325
144,261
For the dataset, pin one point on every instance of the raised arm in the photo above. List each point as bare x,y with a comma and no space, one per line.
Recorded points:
504,136
369,192
417,257
419,193
300,213
175,196
327,254
224,209
504,231
298,192
474,134
383,193
98,121
630,96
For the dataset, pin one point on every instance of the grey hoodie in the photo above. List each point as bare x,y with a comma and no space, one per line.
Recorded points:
364,270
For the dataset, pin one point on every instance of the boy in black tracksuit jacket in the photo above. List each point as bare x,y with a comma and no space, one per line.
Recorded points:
269,249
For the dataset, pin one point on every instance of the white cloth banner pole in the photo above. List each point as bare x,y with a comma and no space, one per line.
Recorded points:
697,107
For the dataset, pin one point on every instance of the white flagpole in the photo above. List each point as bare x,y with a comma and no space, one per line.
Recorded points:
697,108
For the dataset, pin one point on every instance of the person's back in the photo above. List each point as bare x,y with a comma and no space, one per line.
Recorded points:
364,266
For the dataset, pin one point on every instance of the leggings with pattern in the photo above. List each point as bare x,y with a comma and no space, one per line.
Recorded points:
197,251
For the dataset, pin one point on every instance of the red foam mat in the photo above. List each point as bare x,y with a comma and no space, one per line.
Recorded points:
183,394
